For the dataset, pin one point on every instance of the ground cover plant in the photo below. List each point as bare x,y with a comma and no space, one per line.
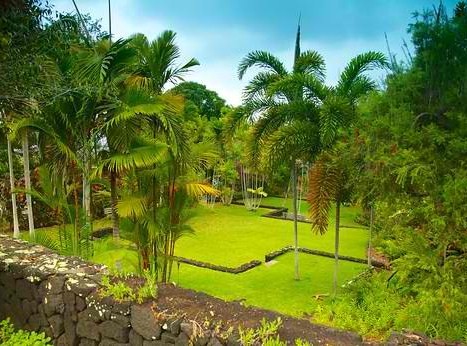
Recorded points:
9,336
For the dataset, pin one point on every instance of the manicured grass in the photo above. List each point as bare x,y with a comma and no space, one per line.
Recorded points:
271,287
267,286
231,235
348,214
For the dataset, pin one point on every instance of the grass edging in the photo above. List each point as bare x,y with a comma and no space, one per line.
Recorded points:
237,270
271,255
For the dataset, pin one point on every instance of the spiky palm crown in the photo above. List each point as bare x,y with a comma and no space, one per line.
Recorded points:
296,116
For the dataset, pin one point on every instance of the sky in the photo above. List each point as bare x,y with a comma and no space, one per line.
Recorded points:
219,33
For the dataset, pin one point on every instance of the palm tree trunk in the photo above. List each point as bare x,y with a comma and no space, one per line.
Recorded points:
27,183
113,202
336,245
154,202
369,240
13,194
295,221
87,188
76,231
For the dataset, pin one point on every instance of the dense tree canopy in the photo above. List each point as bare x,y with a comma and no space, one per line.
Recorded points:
208,102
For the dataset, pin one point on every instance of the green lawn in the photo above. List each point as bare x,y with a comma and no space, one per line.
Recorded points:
271,287
231,235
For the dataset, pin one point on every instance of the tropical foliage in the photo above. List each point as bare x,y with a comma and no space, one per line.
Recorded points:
92,126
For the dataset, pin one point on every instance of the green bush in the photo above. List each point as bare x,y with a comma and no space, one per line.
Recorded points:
11,337
374,306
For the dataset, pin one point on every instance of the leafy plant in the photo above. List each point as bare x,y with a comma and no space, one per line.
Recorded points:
266,332
119,288
11,337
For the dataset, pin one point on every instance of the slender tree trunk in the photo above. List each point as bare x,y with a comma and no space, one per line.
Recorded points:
336,245
76,232
295,221
171,254
27,183
114,201
369,240
87,202
154,203
87,188
13,194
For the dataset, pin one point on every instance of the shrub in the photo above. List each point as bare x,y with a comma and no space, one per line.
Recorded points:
374,306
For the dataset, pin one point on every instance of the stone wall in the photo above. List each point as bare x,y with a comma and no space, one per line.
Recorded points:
42,291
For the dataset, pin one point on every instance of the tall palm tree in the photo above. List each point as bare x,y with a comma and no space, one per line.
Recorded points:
295,114
12,177
329,178
277,99
107,65
157,66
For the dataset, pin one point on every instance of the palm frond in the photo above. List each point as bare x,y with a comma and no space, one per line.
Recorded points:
312,63
299,84
138,157
359,65
200,189
132,206
158,62
41,125
261,59
297,140
257,87
102,63
334,113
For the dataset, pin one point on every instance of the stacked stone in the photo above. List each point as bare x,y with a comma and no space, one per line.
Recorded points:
42,291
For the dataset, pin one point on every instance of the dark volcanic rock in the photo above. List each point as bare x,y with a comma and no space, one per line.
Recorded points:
87,329
135,339
144,322
57,325
115,331
53,304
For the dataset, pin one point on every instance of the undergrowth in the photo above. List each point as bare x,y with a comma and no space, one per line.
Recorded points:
376,304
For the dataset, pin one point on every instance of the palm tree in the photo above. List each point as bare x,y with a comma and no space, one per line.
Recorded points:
106,65
296,116
157,65
12,189
279,98
329,178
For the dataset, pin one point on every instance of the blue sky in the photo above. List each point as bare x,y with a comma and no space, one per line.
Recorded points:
220,32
